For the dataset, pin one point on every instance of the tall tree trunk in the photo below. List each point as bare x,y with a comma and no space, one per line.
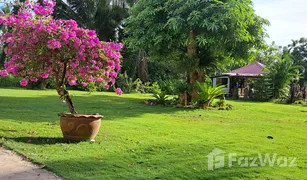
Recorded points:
194,75
192,44
143,66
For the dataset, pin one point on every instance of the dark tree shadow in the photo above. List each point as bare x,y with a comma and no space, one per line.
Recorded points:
46,108
7,130
42,140
146,163
118,171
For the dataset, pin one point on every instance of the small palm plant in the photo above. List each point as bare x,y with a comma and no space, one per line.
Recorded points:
161,97
207,93
159,94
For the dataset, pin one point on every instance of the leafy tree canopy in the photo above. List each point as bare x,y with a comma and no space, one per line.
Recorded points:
298,51
219,29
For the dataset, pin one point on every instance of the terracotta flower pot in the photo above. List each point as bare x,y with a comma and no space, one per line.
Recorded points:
80,127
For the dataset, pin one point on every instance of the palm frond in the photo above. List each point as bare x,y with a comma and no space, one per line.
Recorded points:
207,93
104,16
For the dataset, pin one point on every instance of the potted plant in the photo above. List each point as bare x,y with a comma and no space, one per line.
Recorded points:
40,47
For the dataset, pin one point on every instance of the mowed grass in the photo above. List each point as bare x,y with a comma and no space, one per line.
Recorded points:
138,141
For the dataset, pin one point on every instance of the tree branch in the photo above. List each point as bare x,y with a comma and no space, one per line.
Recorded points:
64,74
63,92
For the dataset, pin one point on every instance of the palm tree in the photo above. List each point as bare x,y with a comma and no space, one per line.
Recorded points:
105,16
282,72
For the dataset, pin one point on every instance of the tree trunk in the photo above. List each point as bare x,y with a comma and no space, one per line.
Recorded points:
43,84
2,58
143,66
194,75
70,104
192,44
64,93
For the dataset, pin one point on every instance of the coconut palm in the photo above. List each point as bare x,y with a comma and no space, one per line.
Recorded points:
105,16
282,72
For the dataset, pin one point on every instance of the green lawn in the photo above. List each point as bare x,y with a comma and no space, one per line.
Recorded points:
138,141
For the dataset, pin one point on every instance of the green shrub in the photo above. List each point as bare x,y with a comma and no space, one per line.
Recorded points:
151,87
91,87
50,83
161,97
299,102
279,101
182,86
263,89
226,107
138,86
173,86
125,83
276,80
207,93
220,103
128,85
9,81
169,86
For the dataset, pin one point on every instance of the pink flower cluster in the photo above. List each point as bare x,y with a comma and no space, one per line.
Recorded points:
3,73
54,44
39,10
23,82
40,47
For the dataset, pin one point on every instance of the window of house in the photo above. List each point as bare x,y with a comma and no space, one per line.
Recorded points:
222,81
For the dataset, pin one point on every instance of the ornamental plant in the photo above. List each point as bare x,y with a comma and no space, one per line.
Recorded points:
40,47
207,93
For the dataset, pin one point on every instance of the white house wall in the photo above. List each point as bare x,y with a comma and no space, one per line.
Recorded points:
214,80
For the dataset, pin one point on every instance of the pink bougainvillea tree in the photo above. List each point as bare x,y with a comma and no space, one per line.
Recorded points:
40,47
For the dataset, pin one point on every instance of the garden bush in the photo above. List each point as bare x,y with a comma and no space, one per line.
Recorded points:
263,89
124,82
207,93
9,81
299,102
151,87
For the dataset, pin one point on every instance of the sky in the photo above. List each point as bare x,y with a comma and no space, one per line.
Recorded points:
287,17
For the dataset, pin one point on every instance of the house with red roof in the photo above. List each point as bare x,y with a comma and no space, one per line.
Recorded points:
239,80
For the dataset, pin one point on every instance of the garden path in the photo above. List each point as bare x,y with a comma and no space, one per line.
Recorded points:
15,167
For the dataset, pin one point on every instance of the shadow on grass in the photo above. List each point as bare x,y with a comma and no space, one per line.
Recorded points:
42,140
46,108
261,102
7,130
246,100
115,171
146,165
